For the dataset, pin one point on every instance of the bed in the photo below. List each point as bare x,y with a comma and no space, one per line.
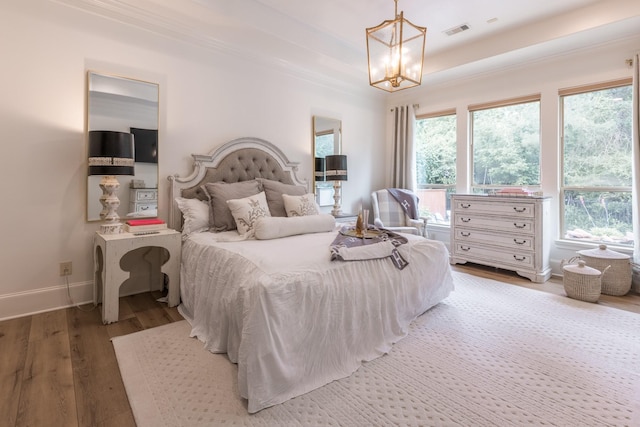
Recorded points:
289,316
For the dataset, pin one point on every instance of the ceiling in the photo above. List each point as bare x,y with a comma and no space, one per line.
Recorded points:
326,39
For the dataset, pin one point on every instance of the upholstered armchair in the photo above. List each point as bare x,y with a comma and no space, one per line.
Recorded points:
388,213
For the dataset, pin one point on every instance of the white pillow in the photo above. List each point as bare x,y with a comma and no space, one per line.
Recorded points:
246,212
195,214
300,205
280,226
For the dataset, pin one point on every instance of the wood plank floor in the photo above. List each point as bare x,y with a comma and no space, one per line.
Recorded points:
59,368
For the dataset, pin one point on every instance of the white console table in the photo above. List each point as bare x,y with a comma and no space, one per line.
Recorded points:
108,249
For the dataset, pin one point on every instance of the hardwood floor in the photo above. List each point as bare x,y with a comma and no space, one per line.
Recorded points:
59,368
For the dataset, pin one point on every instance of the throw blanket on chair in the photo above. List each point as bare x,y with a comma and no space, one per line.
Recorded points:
382,244
408,200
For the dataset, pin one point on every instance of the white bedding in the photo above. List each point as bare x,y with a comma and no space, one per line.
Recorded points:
292,319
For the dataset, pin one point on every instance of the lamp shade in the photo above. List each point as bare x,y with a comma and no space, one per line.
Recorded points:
336,167
111,153
319,169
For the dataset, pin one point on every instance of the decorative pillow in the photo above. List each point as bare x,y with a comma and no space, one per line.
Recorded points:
300,205
219,192
195,214
275,227
247,211
274,191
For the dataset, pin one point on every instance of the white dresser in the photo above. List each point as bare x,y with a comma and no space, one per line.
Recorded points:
502,231
143,200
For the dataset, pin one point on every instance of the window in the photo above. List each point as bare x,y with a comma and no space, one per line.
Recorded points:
506,144
597,163
435,137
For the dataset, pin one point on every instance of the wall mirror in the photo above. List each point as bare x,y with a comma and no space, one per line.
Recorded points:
327,140
126,105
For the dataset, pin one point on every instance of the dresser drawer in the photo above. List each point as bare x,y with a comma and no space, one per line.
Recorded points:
494,256
463,235
490,223
143,194
503,208
143,207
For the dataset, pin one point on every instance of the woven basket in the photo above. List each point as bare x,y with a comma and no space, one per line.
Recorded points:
582,282
616,280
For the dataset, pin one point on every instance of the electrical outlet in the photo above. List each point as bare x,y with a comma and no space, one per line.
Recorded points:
65,268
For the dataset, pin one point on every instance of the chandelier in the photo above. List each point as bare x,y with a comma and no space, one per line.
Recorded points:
396,52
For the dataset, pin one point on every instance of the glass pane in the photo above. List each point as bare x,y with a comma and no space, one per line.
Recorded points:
324,145
594,216
435,204
506,145
597,138
436,150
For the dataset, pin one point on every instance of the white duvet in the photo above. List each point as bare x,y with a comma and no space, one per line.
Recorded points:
292,319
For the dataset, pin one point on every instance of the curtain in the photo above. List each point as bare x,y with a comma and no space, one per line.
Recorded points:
404,170
636,172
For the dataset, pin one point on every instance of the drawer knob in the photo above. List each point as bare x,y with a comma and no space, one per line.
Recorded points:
465,234
465,219
465,248
519,258
519,242
465,205
519,210
519,226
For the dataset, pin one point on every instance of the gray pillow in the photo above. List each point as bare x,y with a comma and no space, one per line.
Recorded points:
219,193
274,191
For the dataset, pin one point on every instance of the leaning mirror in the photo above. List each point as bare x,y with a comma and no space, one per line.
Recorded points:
327,140
126,105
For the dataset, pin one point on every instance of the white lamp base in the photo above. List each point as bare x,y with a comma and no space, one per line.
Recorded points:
337,198
110,204
115,228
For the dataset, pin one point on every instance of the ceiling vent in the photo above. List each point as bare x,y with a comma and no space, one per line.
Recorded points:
458,29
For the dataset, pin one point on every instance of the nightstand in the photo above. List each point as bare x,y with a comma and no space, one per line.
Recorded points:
108,249
346,218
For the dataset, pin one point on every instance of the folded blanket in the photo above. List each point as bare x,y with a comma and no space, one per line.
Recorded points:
346,247
407,200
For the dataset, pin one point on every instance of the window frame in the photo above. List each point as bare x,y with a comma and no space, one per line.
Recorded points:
563,188
491,189
449,188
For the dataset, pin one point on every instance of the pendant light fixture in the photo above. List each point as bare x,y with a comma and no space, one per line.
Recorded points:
396,52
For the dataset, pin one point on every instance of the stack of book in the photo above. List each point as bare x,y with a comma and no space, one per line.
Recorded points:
518,191
145,226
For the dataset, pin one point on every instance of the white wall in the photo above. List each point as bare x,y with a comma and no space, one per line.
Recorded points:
206,99
598,64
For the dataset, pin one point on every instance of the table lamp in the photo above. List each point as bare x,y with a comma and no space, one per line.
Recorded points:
336,171
111,153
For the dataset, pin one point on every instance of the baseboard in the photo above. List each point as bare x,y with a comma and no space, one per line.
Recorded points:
22,304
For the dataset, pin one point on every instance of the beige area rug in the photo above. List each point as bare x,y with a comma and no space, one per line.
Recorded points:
489,355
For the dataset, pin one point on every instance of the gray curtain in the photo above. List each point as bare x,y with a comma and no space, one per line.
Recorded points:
636,172
403,172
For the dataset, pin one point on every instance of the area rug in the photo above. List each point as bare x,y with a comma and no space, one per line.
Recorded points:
491,354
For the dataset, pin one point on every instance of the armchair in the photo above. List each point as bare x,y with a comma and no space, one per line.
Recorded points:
388,213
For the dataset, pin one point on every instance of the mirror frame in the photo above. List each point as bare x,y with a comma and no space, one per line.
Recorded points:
322,130
120,103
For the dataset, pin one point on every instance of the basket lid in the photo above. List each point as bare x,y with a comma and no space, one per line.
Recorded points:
582,268
603,252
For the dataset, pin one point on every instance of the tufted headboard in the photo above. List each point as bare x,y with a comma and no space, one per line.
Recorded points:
242,159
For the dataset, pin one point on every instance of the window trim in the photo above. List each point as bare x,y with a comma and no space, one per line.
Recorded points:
577,90
536,97
505,102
